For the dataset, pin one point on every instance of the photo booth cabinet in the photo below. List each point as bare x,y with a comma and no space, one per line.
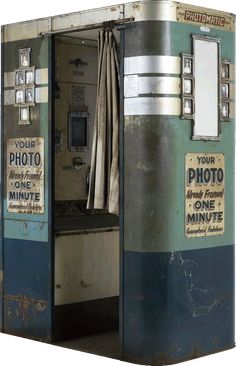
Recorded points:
118,181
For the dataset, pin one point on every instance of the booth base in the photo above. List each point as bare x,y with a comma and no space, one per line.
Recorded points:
103,344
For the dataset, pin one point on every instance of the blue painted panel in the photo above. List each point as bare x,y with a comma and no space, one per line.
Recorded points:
27,289
28,257
1,278
26,230
178,305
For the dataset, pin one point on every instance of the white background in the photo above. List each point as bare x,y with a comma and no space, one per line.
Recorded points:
18,351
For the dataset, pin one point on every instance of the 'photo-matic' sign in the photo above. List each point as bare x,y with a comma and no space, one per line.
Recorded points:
25,175
204,194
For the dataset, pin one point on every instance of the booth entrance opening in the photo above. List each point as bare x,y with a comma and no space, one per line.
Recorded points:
87,232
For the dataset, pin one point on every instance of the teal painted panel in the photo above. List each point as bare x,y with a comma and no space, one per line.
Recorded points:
154,213
39,127
38,56
181,39
42,131
28,252
26,230
148,38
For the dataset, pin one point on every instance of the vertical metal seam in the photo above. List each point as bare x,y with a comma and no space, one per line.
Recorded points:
2,177
51,174
121,199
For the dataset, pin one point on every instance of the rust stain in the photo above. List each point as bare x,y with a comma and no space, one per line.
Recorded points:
84,285
26,309
136,7
23,298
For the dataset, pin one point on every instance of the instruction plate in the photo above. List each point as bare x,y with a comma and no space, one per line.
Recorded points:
25,175
204,194
131,86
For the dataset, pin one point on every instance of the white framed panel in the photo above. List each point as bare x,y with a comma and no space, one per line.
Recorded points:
206,73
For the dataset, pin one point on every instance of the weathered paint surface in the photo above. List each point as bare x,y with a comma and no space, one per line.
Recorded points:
27,248
23,225
178,291
170,39
82,263
155,150
27,289
178,305
202,16
1,289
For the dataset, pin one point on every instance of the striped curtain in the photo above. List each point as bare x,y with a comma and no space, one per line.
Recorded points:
104,174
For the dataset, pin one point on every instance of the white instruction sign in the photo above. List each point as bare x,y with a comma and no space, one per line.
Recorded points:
131,86
25,175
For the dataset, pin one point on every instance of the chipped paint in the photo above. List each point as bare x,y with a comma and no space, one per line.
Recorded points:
136,7
201,302
84,285
26,309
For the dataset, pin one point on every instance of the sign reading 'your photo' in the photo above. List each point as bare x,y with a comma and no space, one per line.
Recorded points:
204,194
25,175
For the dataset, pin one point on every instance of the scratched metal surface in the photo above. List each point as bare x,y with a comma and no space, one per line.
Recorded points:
179,305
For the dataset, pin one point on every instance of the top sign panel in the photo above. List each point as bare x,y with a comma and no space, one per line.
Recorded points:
202,16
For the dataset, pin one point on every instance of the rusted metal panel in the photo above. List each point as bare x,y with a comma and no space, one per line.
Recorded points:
204,194
25,175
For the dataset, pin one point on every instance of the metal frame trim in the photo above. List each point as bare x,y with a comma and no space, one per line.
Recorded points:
2,184
215,40
158,64
51,172
104,24
164,106
121,198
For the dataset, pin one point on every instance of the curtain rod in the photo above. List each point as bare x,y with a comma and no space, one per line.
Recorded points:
105,24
